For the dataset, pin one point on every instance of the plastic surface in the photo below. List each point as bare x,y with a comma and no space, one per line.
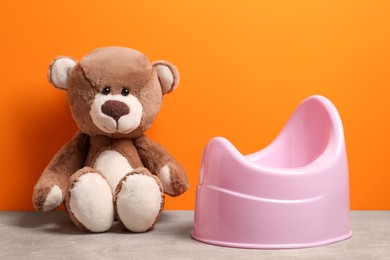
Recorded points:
292,194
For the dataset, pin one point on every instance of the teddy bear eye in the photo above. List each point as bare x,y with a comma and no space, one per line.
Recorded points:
106,90
125,92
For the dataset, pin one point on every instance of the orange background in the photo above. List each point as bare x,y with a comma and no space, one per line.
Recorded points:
245,66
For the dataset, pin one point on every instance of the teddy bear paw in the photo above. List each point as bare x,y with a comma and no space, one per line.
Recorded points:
165,177
139,199
53,199
173,183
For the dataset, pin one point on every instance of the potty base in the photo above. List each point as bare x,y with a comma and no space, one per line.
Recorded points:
269,246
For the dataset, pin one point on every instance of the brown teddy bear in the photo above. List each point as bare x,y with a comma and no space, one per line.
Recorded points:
110,168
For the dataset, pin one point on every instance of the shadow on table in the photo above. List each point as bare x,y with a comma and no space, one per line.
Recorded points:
51,222
59,222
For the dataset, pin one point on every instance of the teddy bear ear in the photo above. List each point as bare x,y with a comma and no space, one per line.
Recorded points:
168,75
59,71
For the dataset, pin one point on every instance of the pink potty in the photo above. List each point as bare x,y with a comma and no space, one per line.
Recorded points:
292,194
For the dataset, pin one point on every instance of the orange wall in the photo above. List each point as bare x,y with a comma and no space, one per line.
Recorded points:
244,68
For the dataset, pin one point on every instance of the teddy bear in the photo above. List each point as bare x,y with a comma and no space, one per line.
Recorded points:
110,170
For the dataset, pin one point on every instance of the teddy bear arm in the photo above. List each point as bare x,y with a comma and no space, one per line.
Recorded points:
50,189
159,162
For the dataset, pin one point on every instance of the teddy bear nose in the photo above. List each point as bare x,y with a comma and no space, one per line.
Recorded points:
115,109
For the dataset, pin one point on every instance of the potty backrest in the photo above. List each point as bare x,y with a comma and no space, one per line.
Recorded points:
313,128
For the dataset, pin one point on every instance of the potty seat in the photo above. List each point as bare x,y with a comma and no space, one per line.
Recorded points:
292,194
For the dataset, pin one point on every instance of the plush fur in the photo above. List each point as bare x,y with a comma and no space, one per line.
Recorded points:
110,168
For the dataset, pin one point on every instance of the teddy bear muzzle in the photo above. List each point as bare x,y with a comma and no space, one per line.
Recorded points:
115,109
116,113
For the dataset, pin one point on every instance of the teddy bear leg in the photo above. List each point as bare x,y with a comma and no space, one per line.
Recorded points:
139,200
89,201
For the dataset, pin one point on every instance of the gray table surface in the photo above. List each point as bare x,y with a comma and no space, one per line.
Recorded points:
32,235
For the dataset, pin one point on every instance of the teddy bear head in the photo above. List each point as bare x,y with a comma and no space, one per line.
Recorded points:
114,91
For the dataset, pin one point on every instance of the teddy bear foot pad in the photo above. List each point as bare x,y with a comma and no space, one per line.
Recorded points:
89,201
139,200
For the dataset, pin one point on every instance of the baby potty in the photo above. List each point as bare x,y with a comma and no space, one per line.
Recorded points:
292,194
